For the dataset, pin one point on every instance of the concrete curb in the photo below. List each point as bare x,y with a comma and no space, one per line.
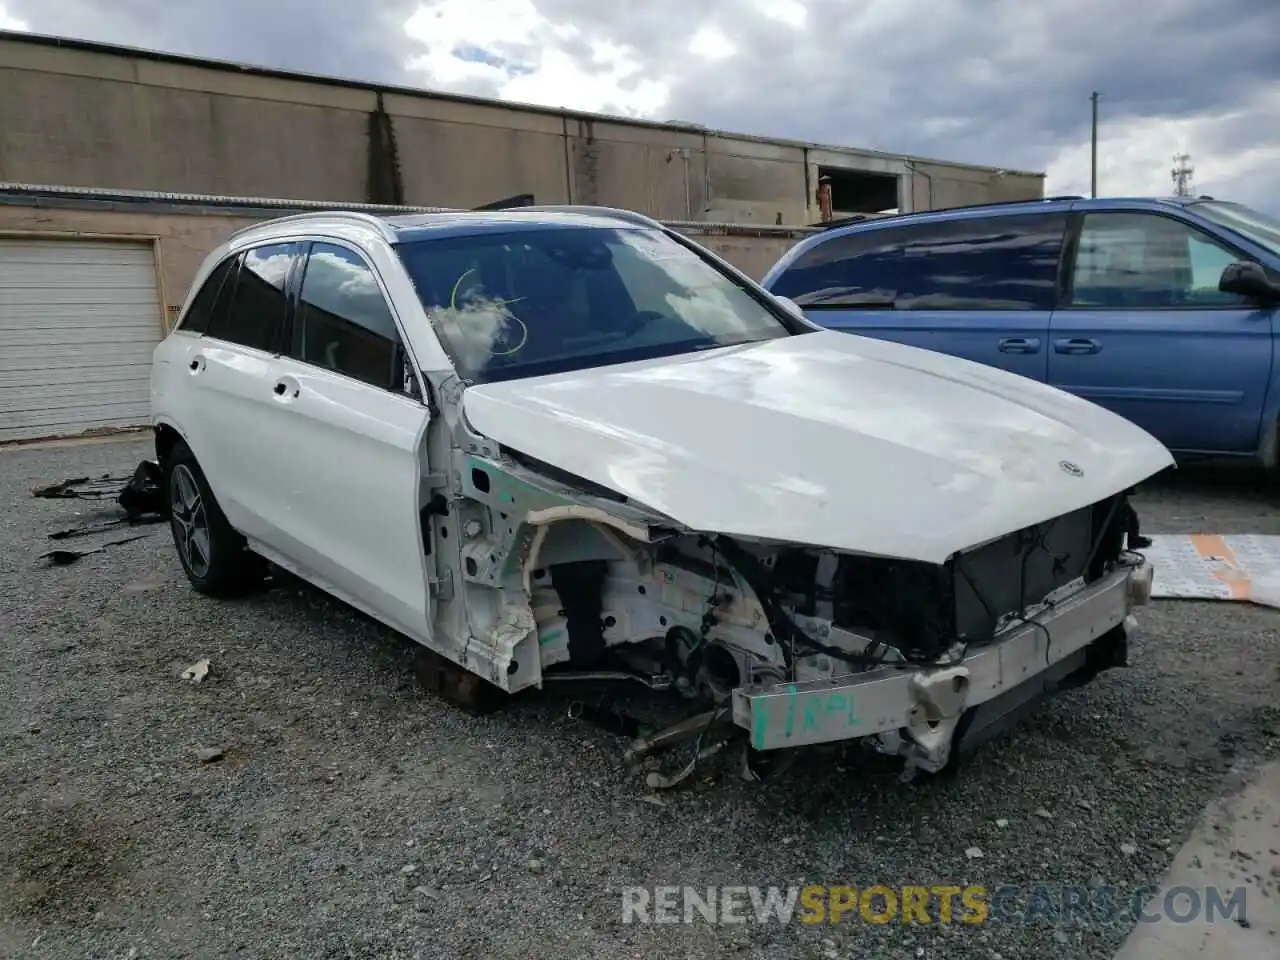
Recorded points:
1235,845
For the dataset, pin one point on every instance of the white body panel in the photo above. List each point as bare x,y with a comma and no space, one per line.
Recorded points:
343,474
219,406
78,323
826,439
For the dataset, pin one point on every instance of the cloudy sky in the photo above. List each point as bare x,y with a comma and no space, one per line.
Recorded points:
999,82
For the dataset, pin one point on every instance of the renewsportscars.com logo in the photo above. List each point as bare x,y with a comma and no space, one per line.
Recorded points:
937,904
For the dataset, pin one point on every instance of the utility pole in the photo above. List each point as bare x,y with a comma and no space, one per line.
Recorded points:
1093,149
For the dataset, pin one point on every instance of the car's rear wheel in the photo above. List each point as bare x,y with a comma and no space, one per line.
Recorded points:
213,556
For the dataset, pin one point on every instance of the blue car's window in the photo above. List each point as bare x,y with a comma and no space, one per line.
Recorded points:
529,302
1147,261
972,263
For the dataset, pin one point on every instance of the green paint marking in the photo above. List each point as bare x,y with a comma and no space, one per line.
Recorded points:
816,713
761,725
551,637
791,710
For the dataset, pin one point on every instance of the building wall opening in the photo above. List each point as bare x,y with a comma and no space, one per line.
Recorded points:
857,191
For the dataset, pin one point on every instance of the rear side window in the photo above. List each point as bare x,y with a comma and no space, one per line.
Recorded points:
207,300
343,322
989,263
258,302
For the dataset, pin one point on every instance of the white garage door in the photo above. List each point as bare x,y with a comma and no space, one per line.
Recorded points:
78,322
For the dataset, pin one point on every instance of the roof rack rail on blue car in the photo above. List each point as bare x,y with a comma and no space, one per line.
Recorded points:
862,217
507,203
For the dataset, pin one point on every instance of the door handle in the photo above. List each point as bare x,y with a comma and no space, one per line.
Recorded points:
1020,345
1077,345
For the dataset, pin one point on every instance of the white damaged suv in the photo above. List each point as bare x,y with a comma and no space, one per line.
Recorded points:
558,441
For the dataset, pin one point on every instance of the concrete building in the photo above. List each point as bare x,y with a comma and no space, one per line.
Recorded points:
97,252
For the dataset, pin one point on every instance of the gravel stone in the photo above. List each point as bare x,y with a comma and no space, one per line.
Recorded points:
113,843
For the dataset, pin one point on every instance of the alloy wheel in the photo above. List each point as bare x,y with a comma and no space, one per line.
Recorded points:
190,520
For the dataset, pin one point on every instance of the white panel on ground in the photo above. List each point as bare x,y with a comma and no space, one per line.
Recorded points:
78,323
1204,566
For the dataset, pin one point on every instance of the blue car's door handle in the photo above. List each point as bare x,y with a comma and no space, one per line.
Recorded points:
1077,345
1020,345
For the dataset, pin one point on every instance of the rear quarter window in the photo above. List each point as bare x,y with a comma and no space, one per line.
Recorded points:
208,297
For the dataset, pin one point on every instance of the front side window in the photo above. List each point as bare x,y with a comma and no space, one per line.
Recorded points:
539,300
1147,261
988,263
258,303
343,322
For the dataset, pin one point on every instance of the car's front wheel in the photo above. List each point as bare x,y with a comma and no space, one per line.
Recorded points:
214,557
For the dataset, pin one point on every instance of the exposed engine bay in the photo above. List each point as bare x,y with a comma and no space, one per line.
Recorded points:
612,596
713,614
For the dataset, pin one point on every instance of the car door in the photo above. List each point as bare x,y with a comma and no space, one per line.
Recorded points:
1145,332
981,288
231,369
346,422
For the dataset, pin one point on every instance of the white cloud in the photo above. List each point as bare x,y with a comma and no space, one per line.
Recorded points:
10,22
508,46
710,43
791,12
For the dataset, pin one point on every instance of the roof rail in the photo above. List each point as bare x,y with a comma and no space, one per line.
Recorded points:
629,215
843,221
519,200
861,217
353,216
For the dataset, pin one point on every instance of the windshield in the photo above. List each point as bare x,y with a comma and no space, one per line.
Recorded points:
1258,227
539,300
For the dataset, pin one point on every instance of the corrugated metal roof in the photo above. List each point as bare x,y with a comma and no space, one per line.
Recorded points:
34,194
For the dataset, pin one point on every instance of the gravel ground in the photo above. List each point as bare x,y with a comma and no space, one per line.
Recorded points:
353,815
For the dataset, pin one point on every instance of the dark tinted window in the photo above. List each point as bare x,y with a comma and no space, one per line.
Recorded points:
257,312
205,302
539,300
992,263
1146,261
343,322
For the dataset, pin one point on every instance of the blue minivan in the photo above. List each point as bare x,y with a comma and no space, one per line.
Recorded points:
1164,311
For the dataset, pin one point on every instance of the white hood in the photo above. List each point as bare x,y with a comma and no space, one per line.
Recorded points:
826,439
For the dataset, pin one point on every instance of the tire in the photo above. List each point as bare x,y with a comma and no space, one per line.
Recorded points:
458,686
213,555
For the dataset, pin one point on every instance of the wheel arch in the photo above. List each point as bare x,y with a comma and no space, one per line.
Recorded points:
167,436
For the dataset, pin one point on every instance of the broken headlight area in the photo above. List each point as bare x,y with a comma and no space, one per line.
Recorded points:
729,626
717,613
